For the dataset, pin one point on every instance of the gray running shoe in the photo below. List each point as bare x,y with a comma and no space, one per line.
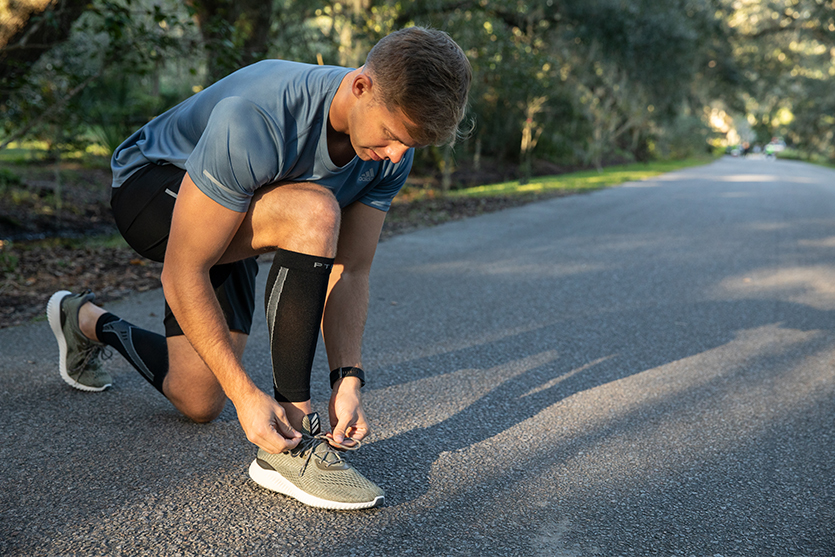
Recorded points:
315,474
80,362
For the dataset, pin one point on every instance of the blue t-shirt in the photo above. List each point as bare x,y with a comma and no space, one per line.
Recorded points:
264,123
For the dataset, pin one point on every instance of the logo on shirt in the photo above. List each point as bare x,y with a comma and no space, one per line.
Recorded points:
367,176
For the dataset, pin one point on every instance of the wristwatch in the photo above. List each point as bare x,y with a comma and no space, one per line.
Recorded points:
341,372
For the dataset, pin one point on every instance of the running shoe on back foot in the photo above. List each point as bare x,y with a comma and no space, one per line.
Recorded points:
80,357
315,474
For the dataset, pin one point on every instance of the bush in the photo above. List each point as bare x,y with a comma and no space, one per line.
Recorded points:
8,260
793,155
9,178
685,137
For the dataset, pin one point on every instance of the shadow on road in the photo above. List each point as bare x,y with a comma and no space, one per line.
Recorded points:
413,464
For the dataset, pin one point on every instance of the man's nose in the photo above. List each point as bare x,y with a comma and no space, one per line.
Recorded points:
395,152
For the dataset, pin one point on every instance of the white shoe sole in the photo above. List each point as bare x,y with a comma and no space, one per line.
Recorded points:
53,314
274,481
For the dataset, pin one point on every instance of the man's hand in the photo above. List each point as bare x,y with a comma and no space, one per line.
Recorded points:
346,415
265,423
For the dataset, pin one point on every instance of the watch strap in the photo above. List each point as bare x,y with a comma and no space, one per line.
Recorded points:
349,371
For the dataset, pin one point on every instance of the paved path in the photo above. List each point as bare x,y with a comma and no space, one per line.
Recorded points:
646,370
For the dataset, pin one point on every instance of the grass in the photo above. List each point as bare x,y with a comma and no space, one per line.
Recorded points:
23,153
418,207
795,155
38,152
113,240
586,180
454,204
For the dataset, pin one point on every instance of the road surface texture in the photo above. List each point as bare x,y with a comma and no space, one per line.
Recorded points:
644,370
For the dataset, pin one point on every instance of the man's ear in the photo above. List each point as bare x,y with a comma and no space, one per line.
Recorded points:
362,85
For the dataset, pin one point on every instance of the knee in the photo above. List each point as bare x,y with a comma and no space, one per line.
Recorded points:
203,413
319,212
312,221
201,406
303,217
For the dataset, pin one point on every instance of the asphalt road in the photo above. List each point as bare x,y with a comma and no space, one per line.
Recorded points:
645,370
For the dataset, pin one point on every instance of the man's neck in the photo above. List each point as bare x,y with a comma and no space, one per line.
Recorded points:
339,140
340,149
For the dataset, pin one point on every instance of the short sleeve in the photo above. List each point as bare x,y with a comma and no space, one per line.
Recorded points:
393,180
238,152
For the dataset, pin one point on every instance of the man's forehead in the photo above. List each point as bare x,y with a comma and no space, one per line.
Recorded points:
400,125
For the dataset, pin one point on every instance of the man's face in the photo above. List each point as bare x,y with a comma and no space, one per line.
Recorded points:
378,133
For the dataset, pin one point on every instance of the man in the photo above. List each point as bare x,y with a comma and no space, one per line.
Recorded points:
278,157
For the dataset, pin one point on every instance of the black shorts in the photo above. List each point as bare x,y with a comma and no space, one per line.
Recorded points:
142,207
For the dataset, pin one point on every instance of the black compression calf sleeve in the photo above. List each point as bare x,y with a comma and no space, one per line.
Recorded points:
295,298
144,350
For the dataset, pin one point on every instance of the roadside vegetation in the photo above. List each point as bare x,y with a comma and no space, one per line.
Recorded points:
69,256
567,97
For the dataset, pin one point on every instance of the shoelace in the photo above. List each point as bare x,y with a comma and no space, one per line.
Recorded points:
92,352
309,443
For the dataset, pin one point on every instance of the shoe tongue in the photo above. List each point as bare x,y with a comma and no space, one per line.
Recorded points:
310,424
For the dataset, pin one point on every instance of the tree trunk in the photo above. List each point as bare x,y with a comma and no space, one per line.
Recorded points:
352,47
28,30
446,169
235,33
477,154
530,136
56,152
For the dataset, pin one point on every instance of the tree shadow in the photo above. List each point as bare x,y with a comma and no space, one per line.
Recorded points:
591,353
679,509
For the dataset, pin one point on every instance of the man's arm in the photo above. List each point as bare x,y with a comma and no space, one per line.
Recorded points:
201,231
346,309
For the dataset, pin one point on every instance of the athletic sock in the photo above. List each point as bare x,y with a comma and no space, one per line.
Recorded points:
144,350
294,301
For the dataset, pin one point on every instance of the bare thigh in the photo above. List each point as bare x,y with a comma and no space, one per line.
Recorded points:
190,385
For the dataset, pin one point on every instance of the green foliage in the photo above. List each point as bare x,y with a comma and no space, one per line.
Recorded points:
575,82
8,260
115,40
786,52
8,178
805,156
686,137
116,107
582,181
812,128
793,155
659,45
582,81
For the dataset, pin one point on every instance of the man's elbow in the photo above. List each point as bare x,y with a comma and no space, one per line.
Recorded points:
165,276
169,283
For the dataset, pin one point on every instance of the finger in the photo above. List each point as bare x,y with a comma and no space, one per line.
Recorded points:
358,433
347,443
339,432
286,430
279,438
283,435
279,446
